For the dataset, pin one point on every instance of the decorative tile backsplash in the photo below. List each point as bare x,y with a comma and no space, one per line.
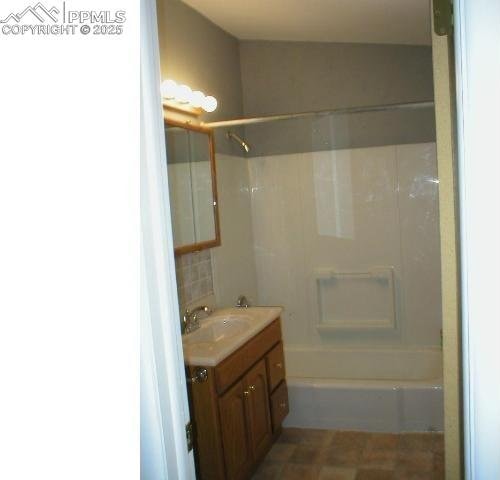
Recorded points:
194,277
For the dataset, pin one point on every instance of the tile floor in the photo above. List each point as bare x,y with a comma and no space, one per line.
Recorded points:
306,454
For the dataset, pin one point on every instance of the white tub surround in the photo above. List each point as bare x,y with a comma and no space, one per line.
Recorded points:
348,241
371,390
233,261
364,364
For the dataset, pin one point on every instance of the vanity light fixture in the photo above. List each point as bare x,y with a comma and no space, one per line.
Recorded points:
181,97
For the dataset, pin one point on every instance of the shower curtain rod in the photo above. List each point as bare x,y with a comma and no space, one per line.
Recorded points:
339,111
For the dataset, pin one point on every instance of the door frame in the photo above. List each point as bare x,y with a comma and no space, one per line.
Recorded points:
478,147
164,402
444,101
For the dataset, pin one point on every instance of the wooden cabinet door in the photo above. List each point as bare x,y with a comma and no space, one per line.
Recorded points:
258,409
234,417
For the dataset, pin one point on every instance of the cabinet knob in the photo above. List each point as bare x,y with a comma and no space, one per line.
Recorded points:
251,388
200,376
279,365
246,393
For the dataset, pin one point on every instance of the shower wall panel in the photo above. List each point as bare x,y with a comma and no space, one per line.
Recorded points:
233,262
349,210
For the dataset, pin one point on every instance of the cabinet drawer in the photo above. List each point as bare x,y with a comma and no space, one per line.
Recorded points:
275,361
279,405
233,367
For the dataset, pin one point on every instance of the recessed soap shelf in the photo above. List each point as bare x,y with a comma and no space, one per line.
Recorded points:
355,300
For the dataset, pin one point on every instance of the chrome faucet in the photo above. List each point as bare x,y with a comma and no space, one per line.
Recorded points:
190,320
242,302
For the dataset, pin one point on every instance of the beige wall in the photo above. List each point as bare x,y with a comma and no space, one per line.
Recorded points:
254,78
289,77
282,77
198,53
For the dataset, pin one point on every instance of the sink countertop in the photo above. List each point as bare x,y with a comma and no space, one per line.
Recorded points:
209,353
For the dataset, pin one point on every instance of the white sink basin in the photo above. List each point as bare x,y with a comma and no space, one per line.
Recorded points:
219,327
225,331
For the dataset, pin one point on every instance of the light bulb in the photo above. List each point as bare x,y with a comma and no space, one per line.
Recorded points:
197,99
209,104
183,94
168,89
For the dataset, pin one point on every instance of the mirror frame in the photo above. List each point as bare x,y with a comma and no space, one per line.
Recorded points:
196,247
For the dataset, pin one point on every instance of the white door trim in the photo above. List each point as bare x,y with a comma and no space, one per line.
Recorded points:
164,404
477,40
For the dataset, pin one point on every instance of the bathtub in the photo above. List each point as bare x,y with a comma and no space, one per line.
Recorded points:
359,389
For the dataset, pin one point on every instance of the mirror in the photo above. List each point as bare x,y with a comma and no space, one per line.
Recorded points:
192,185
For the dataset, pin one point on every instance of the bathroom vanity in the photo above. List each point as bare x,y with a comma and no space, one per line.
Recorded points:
238,391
